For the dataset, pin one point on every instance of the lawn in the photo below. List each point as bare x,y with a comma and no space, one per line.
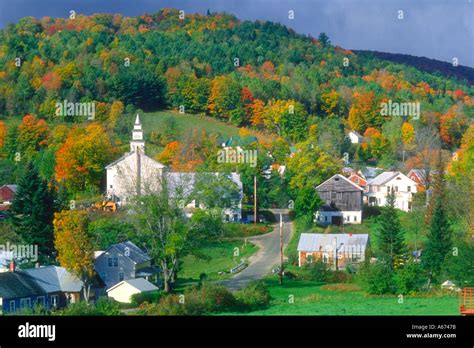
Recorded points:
312,298
220,258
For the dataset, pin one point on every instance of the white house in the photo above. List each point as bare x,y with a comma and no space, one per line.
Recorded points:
136,173
355,137
342,201
123,291
380,186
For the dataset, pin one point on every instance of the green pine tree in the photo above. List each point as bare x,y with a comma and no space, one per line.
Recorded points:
439,236
33,209
392,247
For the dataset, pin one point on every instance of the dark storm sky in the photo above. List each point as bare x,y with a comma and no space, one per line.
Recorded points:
439,29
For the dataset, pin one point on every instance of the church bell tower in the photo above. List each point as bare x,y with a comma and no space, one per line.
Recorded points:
137,137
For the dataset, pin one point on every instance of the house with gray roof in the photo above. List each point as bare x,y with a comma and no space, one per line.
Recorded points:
61,286
337,250
383,184
124,261
19,291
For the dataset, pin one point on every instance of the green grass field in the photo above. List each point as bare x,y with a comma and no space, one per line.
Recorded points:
221,259
311,298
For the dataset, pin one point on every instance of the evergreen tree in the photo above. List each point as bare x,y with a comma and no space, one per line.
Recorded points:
392,247
439,236
33,209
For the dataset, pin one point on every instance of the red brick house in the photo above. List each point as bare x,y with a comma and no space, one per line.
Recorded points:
349,248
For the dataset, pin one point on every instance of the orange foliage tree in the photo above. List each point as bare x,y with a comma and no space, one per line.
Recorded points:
73,242
33,135
81,159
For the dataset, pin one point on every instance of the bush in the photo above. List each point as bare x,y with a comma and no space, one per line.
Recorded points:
102,307
318,270
242,230
253,297
169,305
409,279
216,298
376,279
150,297
339,277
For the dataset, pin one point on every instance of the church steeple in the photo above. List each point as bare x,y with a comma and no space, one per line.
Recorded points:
137,136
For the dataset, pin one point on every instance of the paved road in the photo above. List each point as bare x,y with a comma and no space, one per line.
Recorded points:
264,260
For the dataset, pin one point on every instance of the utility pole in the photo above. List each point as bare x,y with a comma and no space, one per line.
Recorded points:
254,199
281,250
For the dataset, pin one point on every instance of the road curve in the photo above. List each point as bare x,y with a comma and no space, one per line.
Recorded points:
264,260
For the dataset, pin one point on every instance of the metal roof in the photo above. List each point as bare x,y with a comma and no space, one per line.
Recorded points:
383,178
325,242
140,284
54,279
18,284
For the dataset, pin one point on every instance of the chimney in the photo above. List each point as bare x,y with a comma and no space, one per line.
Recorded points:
12,265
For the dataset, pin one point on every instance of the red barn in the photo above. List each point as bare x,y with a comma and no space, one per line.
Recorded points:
7,194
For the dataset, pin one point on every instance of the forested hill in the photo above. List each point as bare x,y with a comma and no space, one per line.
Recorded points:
425,64
247,73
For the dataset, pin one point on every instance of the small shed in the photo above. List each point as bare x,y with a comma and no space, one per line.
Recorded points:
123,291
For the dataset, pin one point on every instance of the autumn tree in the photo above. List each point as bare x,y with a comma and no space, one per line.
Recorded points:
310,166
287,118
81,159
73,242
364,112
116,110
3,135
225,97
33,135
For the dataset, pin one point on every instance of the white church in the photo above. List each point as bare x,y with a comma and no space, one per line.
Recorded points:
136,173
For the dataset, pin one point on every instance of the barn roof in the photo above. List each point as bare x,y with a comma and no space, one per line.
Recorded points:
329,184
325,242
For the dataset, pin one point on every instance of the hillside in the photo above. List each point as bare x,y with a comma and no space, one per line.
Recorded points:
425,64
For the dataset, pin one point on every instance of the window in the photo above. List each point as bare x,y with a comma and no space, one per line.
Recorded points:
333,195
103,275
409,205
111,186
196,204
388,189
396,188
54,300
227,217
325,218
121,276
325,258
355,217
409,188
236,217
318,218
112,262
12,306
40,300
25,303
